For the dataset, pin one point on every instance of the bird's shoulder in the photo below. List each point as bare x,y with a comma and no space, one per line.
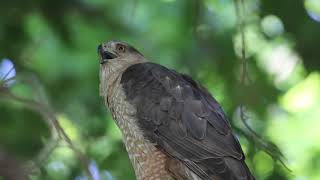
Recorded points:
167,88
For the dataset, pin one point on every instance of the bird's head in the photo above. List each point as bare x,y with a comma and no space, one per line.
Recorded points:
115,58
118,52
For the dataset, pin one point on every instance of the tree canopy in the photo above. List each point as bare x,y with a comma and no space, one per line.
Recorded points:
54,125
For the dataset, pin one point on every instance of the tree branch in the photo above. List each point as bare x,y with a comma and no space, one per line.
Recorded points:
57,132
267,146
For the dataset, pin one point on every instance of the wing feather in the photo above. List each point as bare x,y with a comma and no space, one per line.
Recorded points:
185,121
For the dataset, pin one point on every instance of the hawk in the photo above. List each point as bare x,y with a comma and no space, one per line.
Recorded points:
172,127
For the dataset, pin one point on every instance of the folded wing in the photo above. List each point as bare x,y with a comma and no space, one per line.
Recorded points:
185,121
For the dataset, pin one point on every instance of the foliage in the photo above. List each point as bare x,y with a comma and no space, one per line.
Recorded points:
54,125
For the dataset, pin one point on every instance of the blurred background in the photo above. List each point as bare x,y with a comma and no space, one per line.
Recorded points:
54,125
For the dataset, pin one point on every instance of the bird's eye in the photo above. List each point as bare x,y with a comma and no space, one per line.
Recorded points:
121,48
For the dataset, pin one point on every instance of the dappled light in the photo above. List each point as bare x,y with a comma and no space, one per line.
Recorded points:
313,9
259,60
272,25
7,72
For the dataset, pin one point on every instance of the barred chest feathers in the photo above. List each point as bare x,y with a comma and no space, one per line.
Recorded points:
147,160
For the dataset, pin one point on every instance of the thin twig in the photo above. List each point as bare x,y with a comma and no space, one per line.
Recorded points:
52,120
239,6
268,147
57,132
41,158
7,74
241,26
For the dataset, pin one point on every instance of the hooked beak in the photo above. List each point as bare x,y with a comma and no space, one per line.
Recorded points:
105,55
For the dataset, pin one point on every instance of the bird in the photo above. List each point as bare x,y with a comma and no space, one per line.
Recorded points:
172,127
